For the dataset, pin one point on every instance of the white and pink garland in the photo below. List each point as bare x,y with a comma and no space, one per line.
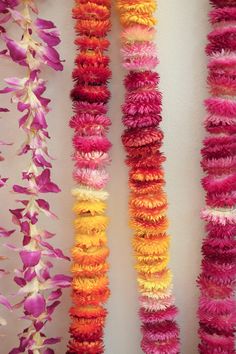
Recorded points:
39,289
4,18
3,233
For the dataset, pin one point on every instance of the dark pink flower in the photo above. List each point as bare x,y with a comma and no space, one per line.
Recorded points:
41,184
91,143
47,31
16,50
30,258
44,183
35,305
48,351
50,57
52,340
55,294
8,4
5,233
45,208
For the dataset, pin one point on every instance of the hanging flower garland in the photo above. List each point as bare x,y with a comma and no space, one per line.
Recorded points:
142,140
216,311
90,96
3,233
4,18
39,289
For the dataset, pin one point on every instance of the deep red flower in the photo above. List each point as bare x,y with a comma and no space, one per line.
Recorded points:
90,93
141,80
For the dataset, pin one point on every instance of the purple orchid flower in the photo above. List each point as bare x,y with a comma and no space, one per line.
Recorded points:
27,93
17,51
44,183
40,52
40,184
47,31
50,57
35,305
30,258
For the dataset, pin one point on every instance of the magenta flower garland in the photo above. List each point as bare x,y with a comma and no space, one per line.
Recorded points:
217,310
39,289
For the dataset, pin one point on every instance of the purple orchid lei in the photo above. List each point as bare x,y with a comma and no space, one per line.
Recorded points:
4,18
39,289
3,233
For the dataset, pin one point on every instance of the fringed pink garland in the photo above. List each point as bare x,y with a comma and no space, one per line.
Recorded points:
217,310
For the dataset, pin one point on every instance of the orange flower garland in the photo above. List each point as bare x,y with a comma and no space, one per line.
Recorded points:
91,156
142,140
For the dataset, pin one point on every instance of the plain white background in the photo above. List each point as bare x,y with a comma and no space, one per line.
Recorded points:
181,36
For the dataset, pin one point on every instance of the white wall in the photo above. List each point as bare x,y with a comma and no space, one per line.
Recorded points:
182,29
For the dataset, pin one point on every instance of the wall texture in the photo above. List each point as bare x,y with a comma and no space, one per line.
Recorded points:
182,28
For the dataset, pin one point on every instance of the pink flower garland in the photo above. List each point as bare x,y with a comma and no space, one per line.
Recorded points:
40,290
217,315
